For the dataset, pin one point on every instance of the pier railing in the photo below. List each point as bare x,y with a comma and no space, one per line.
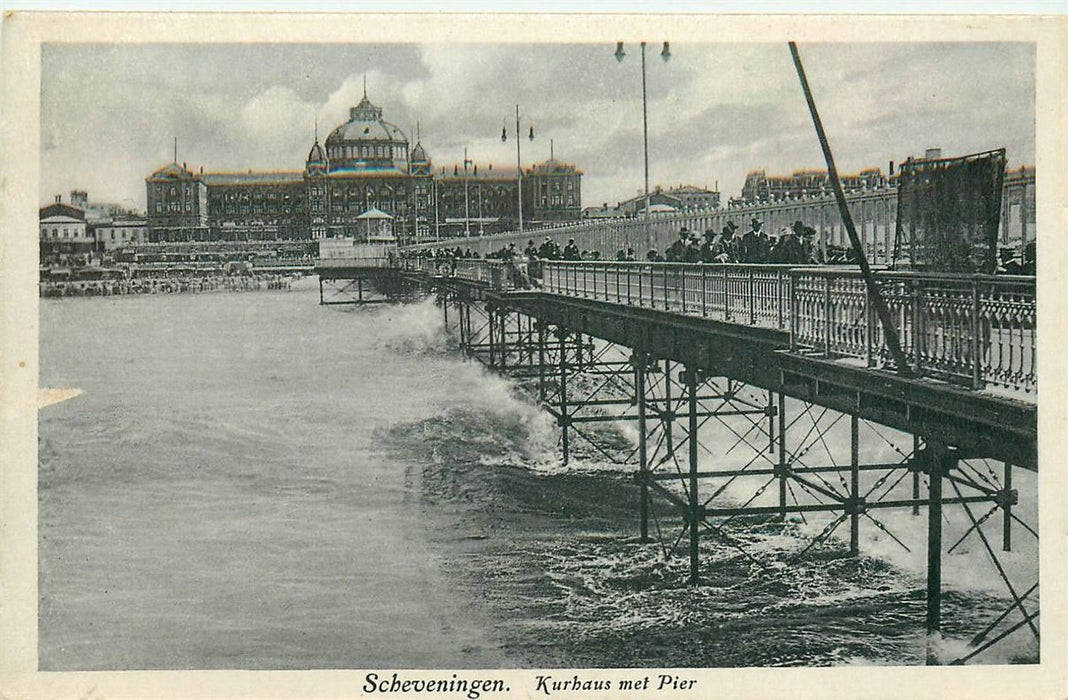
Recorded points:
497,274
377,261
977,330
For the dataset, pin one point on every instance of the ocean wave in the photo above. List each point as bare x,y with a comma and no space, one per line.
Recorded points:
561,539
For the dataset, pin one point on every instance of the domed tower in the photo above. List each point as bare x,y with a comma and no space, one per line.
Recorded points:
367,142
315,170
420,161
422,180
317,163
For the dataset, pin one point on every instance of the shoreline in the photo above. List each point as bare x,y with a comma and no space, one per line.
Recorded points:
164,285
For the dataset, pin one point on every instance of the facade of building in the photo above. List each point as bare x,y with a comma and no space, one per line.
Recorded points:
552,191
694,199
177,204
119,233
64,234
364,178
687,198
82,230
256,206
476,201
760,187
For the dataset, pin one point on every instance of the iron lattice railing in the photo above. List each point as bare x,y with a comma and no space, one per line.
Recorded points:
347,263
979,330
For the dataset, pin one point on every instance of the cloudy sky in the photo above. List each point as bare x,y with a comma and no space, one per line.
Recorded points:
109,112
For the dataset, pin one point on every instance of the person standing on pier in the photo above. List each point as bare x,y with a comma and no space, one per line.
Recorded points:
810,255
571,251
692,254
707,246
725,250
676,252
788,249
548,250
755,245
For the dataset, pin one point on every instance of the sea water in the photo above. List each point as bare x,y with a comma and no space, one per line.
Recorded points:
252,481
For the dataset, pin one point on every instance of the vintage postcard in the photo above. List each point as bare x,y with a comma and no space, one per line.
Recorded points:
523,356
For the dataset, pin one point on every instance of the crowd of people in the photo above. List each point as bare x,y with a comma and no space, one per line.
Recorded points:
793,245
184,284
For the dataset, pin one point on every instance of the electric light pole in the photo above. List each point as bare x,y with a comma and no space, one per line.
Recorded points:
467,199
518,162
666,55
481,230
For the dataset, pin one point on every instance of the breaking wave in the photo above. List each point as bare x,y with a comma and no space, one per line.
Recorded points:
552,550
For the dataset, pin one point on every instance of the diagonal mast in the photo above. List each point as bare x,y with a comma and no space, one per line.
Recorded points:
889,332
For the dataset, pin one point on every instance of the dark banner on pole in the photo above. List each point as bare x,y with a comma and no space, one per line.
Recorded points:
948,211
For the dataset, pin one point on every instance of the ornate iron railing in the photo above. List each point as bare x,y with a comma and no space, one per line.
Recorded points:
750,294
496,274
380,261
978,330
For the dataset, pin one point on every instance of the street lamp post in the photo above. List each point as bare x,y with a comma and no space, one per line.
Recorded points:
481,230
467,199
666,55
518,162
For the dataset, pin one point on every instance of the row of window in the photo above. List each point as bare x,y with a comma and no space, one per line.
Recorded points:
256,208
256,195
174,191
54,233
114,234
173,207
126,234
558,201
543,187
365,151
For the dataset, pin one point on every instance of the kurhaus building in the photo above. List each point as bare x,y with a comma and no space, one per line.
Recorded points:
364,182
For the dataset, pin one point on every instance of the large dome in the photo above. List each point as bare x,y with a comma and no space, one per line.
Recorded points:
367,142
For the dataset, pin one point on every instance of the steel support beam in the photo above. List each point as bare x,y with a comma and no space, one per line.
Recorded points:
641,361
939,461
563,419
782,467
694,516
854,485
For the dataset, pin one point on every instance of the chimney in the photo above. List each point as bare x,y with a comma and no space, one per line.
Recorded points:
932,154
891,168
59,199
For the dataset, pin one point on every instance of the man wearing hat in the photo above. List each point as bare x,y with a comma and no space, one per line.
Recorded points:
788,249
810,255
676,252
725,250
692,254
707,246
755,244
548,250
